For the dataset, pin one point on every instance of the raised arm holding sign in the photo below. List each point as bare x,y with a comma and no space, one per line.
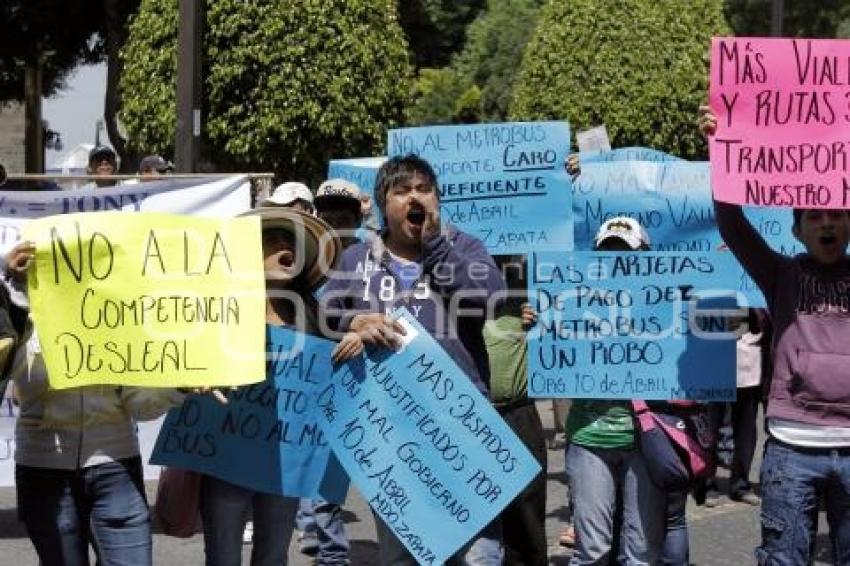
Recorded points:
808,296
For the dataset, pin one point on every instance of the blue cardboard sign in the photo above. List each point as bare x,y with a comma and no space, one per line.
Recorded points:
362,171
424,447
641,325
628,154
503,183
267,437
672,201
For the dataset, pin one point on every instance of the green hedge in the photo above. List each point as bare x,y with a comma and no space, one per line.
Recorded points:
287,86
638,66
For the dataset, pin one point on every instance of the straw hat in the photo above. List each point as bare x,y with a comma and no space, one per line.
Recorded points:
319,240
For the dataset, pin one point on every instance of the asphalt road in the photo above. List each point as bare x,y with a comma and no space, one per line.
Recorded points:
724,535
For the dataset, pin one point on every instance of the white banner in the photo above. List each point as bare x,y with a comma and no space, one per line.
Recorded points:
198,197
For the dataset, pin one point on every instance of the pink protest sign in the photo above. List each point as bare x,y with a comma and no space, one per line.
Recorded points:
783,131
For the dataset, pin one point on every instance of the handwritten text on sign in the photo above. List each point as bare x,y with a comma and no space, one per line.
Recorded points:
627,154
672,201
617,326
783,114
503,183
148,299
202,197
273,425
424,447
361,171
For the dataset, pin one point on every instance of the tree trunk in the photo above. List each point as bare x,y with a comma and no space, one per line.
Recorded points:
33,128
116,17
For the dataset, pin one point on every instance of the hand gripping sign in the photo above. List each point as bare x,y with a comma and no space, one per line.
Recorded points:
424,447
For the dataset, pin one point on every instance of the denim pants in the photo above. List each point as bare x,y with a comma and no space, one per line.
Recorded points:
485,549
794,480
63,510
323,528
676,550
224,511
594,476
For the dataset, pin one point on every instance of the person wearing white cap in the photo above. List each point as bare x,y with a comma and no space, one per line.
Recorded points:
621,234
291,194
340,204
605,467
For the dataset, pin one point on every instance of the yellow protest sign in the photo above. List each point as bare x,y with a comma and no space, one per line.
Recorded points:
148,299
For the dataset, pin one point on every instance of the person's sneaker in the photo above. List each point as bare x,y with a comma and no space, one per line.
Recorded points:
248,533
712,498
748,497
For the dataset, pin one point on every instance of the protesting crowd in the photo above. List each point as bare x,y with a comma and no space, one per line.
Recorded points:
425,368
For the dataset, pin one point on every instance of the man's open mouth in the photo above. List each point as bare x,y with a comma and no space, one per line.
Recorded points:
828,240
416,216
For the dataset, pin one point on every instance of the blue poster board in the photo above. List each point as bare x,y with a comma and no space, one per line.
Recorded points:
267,437
641,325
503,183
632,153
672,201
424,447
361,171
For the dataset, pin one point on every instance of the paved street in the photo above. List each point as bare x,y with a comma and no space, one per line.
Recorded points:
724,535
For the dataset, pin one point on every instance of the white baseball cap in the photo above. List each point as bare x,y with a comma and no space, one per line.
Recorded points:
287,193
627,229
338,192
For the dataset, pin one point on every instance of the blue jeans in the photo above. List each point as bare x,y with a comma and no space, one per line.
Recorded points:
485,549
224,511
793,481
676,550
594,476
65,509
324,532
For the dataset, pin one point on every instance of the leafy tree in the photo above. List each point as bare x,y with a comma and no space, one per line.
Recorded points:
495,43
478,85
58,35
285,88
436,29
114,34
61,35
812,18
638,66
436,93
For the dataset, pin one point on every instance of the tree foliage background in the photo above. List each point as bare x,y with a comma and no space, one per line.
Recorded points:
60,35
285,89
810,18
436,29
291,85
638,66
478,84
